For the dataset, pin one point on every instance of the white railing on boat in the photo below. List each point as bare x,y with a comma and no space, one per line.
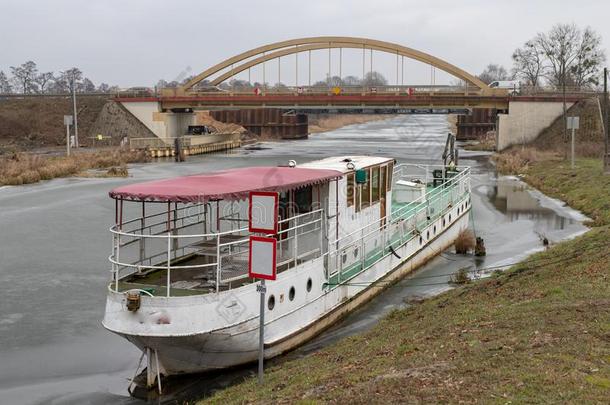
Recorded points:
299,238
223,255
360,249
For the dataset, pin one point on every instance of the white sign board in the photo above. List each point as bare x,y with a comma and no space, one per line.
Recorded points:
573,122
262,257
263,212
68,120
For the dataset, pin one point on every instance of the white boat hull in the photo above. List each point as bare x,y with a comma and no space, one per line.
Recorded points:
201,333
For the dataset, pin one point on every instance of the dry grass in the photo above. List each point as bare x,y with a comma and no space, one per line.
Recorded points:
486,142
517,160
465,242
22,168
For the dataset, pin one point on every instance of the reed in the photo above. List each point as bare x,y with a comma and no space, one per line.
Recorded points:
25,168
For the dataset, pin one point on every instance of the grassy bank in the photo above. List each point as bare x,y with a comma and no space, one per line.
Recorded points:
24,168
537,333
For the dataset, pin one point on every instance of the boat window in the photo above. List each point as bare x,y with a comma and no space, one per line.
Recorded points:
351,182
365,200
358,197
283,205
383,185
291,294
309,284
303,198
375,184
271,303
390,172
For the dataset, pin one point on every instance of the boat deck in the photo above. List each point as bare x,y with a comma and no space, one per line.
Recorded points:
200,281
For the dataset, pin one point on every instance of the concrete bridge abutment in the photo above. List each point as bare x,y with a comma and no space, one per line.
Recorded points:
525,120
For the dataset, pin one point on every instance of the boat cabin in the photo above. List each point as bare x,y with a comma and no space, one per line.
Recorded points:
189,235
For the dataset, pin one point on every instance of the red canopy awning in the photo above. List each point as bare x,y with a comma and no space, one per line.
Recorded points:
232,184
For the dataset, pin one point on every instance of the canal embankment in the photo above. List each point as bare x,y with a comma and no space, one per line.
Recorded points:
537,332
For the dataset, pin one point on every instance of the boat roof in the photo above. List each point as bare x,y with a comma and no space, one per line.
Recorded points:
339,163
233,184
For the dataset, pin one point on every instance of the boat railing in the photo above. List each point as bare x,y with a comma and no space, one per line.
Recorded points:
148,244
358,250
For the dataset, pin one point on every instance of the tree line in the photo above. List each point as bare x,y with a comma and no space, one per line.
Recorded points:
26,79
370,79
566,55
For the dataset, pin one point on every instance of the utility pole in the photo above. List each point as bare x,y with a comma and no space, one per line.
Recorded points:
76,144
565,113
606,168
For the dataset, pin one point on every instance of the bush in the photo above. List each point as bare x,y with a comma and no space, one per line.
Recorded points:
462,276
465,242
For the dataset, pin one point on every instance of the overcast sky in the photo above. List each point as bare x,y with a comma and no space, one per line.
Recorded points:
137,42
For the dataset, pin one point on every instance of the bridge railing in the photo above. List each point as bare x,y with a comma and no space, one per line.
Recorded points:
337,90
526,90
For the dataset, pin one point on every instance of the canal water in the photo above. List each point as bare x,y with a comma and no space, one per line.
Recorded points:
54,246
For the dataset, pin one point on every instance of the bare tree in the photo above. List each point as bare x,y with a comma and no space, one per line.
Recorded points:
351,81
334,81
5,85
43,80
494,72
529,63
85,86
24,76
374,79
72,78
590,57
574,56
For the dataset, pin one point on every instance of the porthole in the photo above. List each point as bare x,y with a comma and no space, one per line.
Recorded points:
291,294
355,253
309,284
443,221
428,235
449,217
344,258
271,302
420,241
435,229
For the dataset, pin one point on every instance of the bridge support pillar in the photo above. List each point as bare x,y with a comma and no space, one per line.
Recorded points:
525,120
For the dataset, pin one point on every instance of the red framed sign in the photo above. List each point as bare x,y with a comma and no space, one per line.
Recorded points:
262,261
263,212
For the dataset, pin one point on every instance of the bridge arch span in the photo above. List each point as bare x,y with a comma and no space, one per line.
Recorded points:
256,56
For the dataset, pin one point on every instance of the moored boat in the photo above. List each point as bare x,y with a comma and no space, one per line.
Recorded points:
348,225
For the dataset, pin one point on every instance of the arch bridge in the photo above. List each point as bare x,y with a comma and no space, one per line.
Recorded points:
205,89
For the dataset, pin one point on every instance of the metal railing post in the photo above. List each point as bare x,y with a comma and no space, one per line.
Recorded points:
296,247
169,258
362,251
142,240
115,246
218,269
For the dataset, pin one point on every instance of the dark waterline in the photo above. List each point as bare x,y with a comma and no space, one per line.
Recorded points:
54,244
